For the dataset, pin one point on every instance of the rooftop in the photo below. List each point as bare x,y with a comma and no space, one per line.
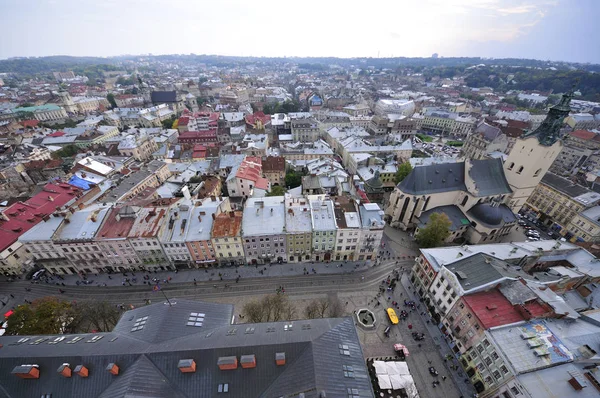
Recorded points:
201,220
264,216
227,225
148,222
22,216
531,346
118,223
297,215
83,224
492,308
322,213
148,356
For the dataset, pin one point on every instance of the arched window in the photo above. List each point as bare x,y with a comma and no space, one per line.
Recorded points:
537,172
520,170
510,166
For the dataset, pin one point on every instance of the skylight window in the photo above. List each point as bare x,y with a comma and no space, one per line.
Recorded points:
139,324
344,349
195,319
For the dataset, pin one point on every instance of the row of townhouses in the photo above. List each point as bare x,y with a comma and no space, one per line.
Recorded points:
113,237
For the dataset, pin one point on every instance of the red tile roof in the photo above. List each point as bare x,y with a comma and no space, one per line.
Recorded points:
30,123
198,134
227,225
492,308
184,120
22,216
583,134
255,117
536,309
262,183
249,170
57,134
274,164
113,228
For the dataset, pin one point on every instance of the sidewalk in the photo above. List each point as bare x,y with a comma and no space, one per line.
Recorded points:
216,274
466,388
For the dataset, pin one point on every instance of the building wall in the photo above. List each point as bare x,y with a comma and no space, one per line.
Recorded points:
229,250
525,166
202,252
119,253
346,244
264,248
150,253
299,246
323,243
368,244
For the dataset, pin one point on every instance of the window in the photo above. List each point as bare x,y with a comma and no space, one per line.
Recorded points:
486,343
537,172
520,170
497,375
488,361
515,390
348,371
480,349
510,166
495,355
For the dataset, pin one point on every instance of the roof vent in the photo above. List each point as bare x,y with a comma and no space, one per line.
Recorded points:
431,182
27,371
81,371
227,363
248,361
64,370
187,366
280,358
113,368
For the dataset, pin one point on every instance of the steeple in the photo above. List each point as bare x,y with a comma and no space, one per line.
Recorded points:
549,131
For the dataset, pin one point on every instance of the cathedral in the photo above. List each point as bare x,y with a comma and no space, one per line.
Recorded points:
480,197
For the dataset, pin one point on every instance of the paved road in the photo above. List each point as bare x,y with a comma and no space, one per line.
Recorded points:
347,281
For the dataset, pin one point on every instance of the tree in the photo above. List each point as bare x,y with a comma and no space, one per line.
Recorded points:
67,151
43,316
168,123
271,308
293,179
95,316
403,170
324,307
435,232
26,105
111,98
276,190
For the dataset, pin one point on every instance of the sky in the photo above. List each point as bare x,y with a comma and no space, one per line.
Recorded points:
560,30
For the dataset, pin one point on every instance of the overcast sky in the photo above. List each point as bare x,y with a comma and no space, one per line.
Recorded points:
541,29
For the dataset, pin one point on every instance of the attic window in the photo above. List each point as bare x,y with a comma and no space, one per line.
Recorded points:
344,349
353,393
139,324
195,319
348,371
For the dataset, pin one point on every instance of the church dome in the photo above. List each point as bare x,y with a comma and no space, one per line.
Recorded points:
487,214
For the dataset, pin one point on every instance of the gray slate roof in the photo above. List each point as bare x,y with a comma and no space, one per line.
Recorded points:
148,358
564,185
158,97
444,177
489,178
456,216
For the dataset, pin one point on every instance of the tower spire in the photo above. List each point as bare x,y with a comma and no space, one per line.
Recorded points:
549,131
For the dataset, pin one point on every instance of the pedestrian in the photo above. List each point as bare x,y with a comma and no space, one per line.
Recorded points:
444,378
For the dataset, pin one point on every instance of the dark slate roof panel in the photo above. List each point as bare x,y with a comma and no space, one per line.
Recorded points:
163,97
564,185
476,270
173,320
454,213
489,178
141,379
445,177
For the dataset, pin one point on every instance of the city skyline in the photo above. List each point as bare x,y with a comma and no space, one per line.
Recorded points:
538,29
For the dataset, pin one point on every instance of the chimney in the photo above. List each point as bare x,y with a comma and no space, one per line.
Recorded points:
81,206
232,214
248,361
187,366
213,198
81,371
27,371
227,363
214,217
280,358
64,370
113,368
220,198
